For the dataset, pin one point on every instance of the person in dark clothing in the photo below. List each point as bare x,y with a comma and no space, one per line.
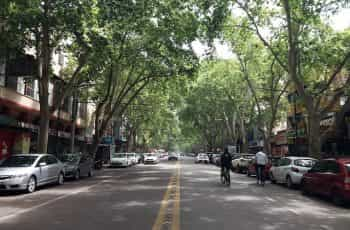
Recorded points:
226,163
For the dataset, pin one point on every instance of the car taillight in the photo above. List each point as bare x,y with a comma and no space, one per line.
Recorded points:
295,169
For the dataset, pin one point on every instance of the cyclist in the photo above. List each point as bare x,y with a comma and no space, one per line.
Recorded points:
226,164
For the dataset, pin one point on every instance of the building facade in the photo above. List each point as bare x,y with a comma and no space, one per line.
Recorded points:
20,109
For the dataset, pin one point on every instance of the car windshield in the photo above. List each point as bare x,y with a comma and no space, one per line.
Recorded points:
248,156
118,155
305,163
149,155
72,158
19,161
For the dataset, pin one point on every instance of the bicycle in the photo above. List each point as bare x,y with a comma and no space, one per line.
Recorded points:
225,177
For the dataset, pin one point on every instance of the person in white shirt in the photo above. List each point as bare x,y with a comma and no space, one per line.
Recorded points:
261,160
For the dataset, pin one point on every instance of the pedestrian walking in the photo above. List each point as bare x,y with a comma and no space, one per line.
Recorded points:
261,161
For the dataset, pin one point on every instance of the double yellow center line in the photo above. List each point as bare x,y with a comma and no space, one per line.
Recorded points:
169,212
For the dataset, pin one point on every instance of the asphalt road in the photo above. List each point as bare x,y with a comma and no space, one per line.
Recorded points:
170,195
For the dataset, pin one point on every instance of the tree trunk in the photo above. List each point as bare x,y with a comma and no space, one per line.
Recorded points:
314,135
44,84
244,147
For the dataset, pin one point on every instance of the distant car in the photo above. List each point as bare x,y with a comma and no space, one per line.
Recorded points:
213,158
217,159
132,157
28,171
138,158
202,158
329,177
241,163
290,170
77,165
120,160
151,159
173,157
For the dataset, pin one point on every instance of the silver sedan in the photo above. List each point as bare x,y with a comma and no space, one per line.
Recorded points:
27,171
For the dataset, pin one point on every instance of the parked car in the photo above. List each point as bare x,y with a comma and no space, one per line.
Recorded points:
173,157
217,159
202,158
77,165
138,158
28,171
151,158
290,170
329,177
251,171
132,157
120,160
212,158
241,163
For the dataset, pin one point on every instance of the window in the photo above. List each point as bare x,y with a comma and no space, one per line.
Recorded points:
319,167
42,160
29,87
51,160
304,163
285,162
332,167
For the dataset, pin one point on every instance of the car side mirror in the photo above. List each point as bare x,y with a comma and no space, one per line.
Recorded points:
42,164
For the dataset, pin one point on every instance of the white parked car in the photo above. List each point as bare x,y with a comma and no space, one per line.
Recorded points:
202,158
290,170
120,160
242,162
151,159
132,157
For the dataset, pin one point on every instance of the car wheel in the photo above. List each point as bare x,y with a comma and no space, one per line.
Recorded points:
91,173
272,178
60,179
304,189
31,186
289,182
77,175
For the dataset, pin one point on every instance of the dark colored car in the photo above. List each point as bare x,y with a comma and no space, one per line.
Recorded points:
173,157
330,178
77,165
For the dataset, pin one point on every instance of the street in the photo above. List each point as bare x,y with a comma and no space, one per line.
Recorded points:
169,195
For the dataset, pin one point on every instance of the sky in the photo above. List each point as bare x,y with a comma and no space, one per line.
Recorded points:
339,22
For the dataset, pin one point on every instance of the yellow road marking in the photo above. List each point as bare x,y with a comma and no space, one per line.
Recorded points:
176,209
172,194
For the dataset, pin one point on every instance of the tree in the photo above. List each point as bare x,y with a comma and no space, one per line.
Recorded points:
47,26
265,79
316,55
145,42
